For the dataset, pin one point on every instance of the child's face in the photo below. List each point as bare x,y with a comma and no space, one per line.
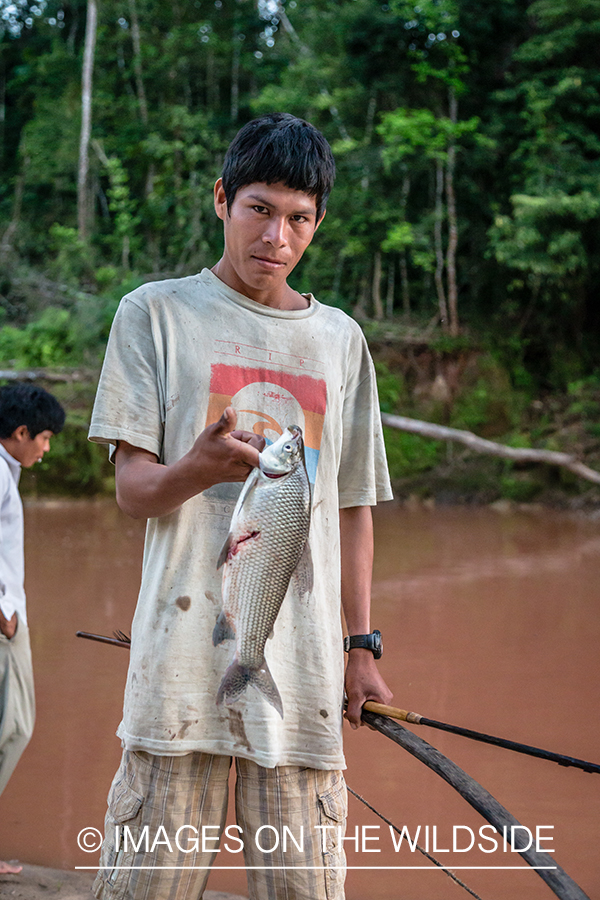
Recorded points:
30,450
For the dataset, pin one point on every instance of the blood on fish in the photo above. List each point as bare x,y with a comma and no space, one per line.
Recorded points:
246,537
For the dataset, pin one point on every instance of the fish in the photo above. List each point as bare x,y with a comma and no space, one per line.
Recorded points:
267,539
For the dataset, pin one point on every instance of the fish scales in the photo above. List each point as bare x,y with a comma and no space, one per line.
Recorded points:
269,530
260,578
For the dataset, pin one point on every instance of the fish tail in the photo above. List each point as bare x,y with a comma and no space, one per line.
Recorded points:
223,630
237,678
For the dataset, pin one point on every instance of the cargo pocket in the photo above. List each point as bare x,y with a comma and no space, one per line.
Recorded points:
333,809
125,801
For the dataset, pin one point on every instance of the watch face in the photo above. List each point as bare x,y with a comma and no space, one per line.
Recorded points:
377,644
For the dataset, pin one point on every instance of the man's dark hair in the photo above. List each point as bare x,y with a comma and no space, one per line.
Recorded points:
280,148
25,404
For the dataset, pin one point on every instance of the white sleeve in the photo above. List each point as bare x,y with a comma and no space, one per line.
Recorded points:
363,478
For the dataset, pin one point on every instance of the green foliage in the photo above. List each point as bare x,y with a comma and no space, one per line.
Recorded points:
123,208
407,132
71,260
409,454
488,404
584,401
62,337
543,237
521,488
378,80
391,388
48,341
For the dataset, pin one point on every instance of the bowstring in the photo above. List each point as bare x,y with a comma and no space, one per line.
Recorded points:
422,850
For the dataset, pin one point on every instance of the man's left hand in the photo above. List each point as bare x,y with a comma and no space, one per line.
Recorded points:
8,627
363,682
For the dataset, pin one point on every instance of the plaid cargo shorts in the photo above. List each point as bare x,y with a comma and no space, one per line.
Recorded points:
166,814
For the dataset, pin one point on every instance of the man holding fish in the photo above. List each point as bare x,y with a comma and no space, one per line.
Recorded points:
224,377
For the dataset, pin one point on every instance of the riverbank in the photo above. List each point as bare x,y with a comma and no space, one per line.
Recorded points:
464,387
43,883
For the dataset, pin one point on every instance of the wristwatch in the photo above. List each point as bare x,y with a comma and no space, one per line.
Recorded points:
370,642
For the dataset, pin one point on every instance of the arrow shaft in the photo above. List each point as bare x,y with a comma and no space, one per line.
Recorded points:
103,639
416,719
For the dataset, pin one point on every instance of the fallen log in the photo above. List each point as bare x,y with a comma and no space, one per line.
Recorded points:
491,448
50,375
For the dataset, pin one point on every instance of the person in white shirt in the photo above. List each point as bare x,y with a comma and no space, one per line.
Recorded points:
29,417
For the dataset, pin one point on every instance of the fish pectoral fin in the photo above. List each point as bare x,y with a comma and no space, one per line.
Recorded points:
229,541
247,491
223,630
303,574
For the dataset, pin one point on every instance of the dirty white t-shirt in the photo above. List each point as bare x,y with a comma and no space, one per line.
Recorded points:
180,351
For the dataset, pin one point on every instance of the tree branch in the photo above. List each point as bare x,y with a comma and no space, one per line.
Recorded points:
491,448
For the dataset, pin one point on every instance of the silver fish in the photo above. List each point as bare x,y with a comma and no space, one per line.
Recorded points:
267,537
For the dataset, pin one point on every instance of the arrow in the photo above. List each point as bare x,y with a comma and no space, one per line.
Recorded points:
119,640
416,719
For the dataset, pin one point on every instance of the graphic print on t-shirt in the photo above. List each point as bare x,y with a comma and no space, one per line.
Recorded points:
268,398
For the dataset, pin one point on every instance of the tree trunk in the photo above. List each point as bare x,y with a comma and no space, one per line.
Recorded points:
391,284
360,307
6,244
376,289
137,62
370,120
235,74
2,108
212,85
405,285
139,84
306,50
83,199
452,224
403,258
337,280
439,250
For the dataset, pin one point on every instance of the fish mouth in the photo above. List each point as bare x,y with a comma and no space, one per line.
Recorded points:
271,461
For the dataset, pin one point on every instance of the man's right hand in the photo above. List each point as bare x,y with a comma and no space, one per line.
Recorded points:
8,627
223,454
146,488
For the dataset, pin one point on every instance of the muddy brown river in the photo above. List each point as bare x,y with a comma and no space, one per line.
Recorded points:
490,620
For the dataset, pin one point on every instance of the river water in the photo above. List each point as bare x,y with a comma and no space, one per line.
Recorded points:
491,621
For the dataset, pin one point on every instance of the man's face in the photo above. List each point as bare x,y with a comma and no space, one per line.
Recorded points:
266,231
31,450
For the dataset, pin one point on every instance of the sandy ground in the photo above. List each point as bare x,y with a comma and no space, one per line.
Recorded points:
37,882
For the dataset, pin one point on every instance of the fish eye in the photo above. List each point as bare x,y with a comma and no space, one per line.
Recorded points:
288,448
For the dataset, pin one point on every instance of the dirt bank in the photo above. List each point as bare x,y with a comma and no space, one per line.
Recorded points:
37,882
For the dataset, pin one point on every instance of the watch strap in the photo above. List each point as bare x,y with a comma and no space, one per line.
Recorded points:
370,642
